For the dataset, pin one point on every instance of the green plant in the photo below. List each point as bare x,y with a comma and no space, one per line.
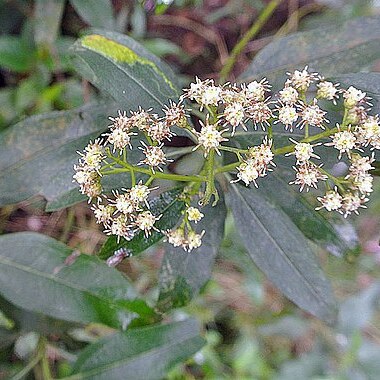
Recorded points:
62,288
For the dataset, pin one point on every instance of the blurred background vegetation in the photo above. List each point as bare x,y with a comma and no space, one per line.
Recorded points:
252,331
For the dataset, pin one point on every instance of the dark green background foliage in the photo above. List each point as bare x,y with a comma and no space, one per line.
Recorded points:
55,288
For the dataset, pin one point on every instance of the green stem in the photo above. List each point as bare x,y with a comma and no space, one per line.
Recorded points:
170,177
252,32
306,130
20,375
284,149
210,182
133,177
227,168
149,181
336,180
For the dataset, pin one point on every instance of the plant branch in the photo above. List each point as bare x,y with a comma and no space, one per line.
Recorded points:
252,32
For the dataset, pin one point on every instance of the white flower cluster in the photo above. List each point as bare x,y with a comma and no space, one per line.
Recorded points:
184,236
87,172
220,111
126,212
256,163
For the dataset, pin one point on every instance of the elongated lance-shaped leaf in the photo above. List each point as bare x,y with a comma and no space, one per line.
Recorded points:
143,353
166,204
183,274
330,51
122,68
40,274
281,251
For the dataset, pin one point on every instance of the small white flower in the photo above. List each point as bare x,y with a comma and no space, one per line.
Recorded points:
154,156
175,115
301,80
176,237
247,172
303,151
288,95
121,227
353,96
234,115
139,193
256,90
103,213
344,141
145,222
194,215
259,113
210,96
307,175
196,89
327,90
123,203
351,203
210,137
120,139
370,128
262,156
360,165
142,119
121,122
193,240
159,131
331,201
364,183
93,155
287,115
312,115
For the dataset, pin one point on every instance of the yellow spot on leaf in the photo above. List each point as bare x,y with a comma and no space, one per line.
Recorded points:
120,53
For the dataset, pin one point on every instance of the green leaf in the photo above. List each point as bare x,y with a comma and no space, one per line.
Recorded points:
281,251
97,13
42,275
122,68
16,54
183,274
146,353
166,204
313,224
47,20
332,50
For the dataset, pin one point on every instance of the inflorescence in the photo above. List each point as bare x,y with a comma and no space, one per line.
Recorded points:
225,112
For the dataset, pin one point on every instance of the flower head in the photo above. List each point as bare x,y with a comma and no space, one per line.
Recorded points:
327,90
301,80
288,95
210,137
353,96
154,156
331,201
194,215
308,175
344,141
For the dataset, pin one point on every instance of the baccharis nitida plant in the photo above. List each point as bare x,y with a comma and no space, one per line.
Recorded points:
223,111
